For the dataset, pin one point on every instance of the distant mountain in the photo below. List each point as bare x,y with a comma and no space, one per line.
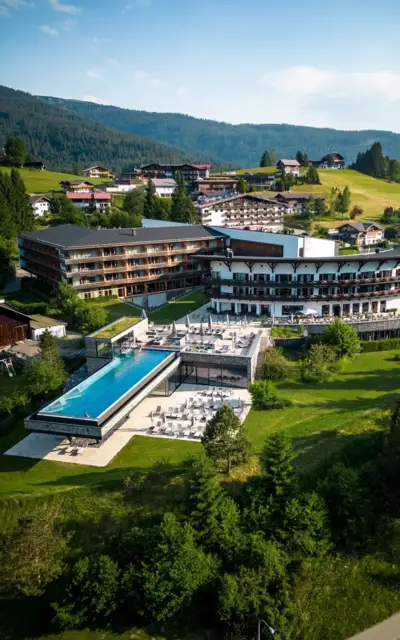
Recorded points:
240,144
64,141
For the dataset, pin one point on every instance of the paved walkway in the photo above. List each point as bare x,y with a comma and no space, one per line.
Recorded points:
387,630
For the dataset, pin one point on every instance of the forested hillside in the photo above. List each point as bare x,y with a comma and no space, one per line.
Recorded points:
65,141
241,144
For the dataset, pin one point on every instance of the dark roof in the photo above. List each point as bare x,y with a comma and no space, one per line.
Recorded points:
34,199
360,226
76,182
71,235
4,307
336,157
238,196
297,195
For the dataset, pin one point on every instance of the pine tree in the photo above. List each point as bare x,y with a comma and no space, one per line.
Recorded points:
15,152
265,159
277,462
224,438
149,206
24,216
300,158
346,199
183,209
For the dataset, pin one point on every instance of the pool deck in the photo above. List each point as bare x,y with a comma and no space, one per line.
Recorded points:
54,448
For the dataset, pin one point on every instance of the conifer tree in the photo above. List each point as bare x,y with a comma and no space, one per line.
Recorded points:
149,206
183,209
265,159
15,152
24,216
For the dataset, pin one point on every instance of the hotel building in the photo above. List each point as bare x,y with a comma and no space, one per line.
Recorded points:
146,265
243,211
278,275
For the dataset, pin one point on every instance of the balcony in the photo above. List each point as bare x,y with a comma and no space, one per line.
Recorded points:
297,283
318,298
139,280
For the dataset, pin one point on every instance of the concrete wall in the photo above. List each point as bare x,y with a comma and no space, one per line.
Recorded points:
316,247
58,331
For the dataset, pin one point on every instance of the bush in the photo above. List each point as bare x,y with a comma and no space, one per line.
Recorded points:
342,338
320,363
276,367
264,396
380,345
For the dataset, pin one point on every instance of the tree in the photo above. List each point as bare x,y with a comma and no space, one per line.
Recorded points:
224,438
24,218
65,212
15,151
44,376
276,367
91,594
265,160
356,211
300,158
32,554
182,208
162,208
319,208
320,363
312,176
134,201
277,464
66,298
346,199
149,201
371,162
89,317
242,186
304,531
172,572
309,213
342,338
49,346
393,170
264,396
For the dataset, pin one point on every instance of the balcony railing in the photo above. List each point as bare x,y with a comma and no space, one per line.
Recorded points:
139,280
322,298
299,283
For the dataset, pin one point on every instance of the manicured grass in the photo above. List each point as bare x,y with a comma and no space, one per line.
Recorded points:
119,326
178,308
40,181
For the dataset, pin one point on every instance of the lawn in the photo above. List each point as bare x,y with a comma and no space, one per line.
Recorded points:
118,327
325,419
41,181
267,170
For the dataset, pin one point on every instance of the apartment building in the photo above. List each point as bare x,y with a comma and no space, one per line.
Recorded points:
121,262
190,172
243,211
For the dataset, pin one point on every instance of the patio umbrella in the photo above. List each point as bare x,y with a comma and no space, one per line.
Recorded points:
174,328
210,324
201,328
144,314
187,322
227,320
245,321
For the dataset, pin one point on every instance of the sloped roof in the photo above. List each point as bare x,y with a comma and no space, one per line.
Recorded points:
289,163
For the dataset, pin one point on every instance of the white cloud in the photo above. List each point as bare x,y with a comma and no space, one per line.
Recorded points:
181,91
65,8
96,43
51,31
320,97
145,78
7,6
95,72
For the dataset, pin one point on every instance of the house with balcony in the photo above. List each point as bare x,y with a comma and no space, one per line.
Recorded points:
295,201
40,205
97,171
146,265
164,187
191,172
243,211
76,186
289,166
364,234
90,200
332,161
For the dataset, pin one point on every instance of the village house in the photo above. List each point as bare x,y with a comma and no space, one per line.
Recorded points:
215,185
35,164
364,234
289,166
295,202
96,200
164,187
332,161
190,172
40,205
98,172
76,186
260,180
243,211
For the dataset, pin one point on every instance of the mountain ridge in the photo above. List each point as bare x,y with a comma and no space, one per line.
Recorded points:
240,144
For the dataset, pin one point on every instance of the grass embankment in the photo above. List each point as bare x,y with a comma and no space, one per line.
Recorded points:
116,328
267,170
324,420
42,181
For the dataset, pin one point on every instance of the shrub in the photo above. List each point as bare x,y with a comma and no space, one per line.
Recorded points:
276,367
320,363
380,345
342,338
264,396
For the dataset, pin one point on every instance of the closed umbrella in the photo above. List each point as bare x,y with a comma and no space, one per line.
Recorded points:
210,324
187,322
227,320
245,321
201,328
144,314
174,328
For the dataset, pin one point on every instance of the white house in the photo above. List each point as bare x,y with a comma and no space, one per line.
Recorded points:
40,204
289,166
243,211
164,187
100,200
39,324
98,172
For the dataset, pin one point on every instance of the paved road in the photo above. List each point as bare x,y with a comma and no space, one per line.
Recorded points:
387,630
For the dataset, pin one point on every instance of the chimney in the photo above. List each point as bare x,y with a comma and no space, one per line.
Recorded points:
133,232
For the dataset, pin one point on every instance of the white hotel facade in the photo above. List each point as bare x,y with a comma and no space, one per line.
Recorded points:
278,275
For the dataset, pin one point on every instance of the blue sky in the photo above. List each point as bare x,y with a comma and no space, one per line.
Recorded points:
333,64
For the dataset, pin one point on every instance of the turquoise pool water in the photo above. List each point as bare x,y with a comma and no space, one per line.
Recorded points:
98,392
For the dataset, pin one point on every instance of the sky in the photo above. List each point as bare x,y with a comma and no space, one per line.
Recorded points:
324,64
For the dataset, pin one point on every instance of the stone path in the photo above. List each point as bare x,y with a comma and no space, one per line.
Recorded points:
387,630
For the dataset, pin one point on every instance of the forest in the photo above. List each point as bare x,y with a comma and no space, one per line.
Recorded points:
64,141
240,144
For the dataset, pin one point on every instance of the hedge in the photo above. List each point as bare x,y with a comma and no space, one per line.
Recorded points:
380,345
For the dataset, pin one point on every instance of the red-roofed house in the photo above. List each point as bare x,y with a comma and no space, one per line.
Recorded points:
98,200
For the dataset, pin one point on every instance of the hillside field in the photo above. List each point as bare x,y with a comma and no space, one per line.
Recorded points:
41,181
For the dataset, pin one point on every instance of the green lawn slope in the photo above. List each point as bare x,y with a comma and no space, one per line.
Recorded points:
41,181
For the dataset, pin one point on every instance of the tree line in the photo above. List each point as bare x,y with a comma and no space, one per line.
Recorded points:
374,163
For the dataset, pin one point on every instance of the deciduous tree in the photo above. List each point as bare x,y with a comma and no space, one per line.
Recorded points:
342,338
224,439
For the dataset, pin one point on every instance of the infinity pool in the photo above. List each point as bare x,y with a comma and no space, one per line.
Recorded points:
97,393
